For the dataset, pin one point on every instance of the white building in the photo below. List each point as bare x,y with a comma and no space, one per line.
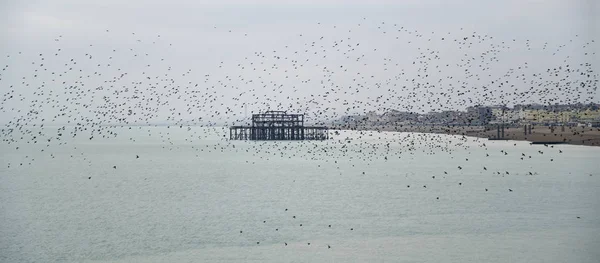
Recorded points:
504,114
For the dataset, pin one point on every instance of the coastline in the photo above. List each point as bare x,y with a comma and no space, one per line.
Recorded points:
587,136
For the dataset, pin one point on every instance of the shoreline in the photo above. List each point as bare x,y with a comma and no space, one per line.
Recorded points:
588,136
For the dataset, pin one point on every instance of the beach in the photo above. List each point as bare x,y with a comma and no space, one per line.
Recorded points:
589,136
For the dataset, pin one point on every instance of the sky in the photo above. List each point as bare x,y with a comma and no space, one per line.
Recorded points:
218,61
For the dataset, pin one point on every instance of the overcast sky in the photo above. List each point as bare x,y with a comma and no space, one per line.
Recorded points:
387,61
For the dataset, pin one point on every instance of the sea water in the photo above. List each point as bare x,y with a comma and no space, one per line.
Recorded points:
194,196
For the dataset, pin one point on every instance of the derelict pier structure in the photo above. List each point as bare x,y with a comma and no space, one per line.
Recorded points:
278,125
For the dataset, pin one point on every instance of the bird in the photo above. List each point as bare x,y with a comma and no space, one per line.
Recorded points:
397,108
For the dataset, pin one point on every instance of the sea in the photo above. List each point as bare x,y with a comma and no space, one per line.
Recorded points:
188,194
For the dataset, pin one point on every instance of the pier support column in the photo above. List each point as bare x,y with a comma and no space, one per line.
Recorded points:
498,131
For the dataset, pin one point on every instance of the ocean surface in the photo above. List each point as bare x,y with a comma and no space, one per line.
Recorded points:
171,194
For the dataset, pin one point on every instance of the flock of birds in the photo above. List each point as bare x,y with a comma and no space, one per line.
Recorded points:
50,98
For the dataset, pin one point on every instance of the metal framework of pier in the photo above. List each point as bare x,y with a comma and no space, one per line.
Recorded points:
278,125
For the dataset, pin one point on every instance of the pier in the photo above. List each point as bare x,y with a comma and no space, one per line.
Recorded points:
278,125
500,135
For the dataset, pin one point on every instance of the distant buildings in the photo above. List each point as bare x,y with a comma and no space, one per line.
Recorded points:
395,116
481,115
571,115
538,114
